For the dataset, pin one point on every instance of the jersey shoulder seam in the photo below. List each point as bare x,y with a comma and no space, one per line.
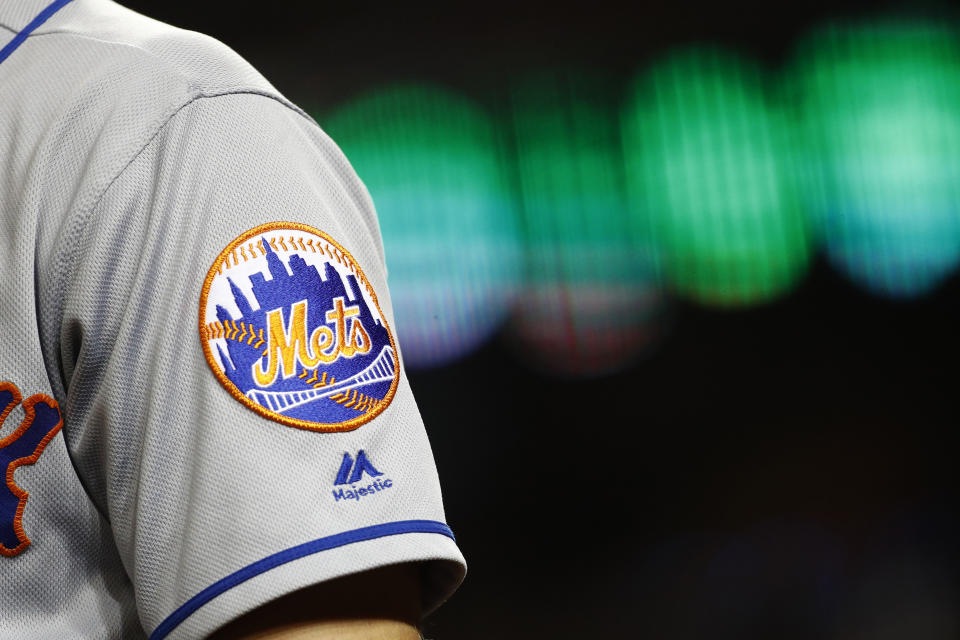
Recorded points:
180,107
78,221
188,80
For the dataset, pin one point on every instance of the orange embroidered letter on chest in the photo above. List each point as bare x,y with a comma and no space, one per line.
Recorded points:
40,424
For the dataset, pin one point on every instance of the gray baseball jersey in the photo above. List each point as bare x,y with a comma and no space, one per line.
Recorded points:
202,401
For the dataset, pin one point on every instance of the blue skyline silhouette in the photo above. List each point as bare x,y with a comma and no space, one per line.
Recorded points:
282,291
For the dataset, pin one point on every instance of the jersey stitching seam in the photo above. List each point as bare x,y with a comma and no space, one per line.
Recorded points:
188,79
359,195
31,27
81,217
79,220
280,558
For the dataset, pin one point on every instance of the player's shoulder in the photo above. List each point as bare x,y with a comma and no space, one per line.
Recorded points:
89,89
118,39
94,59
98,81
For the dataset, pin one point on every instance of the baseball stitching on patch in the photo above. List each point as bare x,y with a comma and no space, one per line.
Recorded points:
292,328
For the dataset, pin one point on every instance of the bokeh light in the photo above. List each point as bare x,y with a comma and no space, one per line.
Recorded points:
591,303
708,161
880,107
698,177
432,162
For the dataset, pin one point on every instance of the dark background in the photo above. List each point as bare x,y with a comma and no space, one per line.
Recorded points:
780,472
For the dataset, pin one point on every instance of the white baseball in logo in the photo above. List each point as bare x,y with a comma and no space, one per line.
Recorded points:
292,328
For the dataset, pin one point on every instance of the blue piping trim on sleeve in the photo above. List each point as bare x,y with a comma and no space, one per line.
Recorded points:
41,17
294,553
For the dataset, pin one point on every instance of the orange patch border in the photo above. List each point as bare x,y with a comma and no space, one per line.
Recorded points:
322,427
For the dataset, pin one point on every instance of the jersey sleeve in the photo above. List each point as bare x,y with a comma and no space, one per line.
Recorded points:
236,396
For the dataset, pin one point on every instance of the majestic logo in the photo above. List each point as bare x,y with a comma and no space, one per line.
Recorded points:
40,424
352,471
292,328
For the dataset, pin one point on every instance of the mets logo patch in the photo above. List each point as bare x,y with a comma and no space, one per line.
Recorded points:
292,328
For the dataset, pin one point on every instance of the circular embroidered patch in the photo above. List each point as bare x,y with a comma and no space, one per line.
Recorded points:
292,328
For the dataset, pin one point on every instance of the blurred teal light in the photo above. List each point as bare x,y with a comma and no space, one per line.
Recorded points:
880,107
431,161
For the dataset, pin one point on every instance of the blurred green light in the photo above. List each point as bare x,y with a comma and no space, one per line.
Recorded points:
881,114
432,163
590,301
707,160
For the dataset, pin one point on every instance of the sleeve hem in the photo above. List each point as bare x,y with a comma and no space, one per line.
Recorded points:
316,571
